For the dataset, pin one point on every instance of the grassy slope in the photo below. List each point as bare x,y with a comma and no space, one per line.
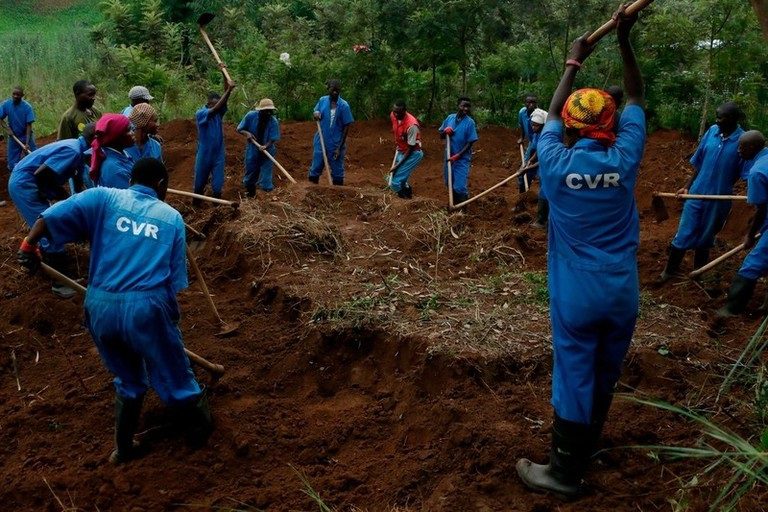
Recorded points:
40,43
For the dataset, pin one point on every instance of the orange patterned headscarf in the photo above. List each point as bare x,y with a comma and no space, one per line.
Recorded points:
592,112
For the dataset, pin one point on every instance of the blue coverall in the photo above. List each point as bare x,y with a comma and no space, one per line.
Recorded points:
65,159
718,166
209,161
137,266
755,265
592,259
404,172
150,149
531,175
464,132
524,120
19,116
258,168
116,169
333,130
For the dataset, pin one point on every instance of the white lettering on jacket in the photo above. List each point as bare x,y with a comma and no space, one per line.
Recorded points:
577,181
124,225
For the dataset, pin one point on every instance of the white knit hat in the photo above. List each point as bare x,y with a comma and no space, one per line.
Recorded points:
539,116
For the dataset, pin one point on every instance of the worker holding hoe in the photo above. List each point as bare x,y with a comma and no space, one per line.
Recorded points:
20,116
463,134
110,164
335,118
209,161
753,151
262,130
717,166
38,181
524,118
138,265
143,118
405,128
592,258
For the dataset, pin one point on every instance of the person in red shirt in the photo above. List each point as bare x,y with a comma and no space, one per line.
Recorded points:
405,128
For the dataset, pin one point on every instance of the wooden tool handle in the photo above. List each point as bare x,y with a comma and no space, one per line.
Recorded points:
325,157
215,54
609,25
274,161
712,264
201,279
499,184
233,204
700,196
214,369
522,154
14,137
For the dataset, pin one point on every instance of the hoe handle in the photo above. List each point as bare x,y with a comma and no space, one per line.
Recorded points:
609,25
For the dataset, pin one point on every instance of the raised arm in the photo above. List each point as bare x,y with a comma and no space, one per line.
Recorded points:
633,79
580,50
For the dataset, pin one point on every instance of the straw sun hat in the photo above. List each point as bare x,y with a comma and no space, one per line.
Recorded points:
266,104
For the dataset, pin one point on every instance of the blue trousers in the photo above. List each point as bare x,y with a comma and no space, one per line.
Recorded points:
337,166
700,223
755,265
404,172
593,315
209,167
15,154
258,170
139,340
30,204
460,170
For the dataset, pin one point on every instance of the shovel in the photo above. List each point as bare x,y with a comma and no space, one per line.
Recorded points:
202,22
660,208
216,370
226,329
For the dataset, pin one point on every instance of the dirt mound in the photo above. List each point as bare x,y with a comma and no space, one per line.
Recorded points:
392,354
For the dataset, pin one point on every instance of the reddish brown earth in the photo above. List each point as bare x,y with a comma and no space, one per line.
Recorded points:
395,356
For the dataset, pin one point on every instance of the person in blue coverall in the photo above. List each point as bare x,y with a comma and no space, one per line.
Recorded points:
143,118
110,164
753,151
405,128
538,118
209,161
335,117
138,265
38,180
524,117
261,130
20,116
138,95
461,129
593,236
717,166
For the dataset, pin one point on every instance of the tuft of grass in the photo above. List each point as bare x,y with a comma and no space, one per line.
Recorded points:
310,491
540,291
746,362
746,463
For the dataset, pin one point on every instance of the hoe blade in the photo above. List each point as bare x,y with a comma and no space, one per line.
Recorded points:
205,18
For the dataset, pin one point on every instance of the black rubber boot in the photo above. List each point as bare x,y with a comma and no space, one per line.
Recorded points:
408,191
601,404
314,179
216,195
250,190
542,214
459,198
700,258
59,261
127,412
198,421
403,193
673,264
738,297
521,188
338,181
568,461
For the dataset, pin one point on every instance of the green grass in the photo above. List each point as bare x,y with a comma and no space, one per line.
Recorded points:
45,51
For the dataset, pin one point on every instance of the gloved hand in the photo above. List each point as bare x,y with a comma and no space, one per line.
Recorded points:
29,256
453,158
448,131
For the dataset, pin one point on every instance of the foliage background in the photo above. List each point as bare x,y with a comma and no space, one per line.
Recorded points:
694,54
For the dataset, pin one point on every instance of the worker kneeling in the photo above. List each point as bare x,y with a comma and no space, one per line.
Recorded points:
138,265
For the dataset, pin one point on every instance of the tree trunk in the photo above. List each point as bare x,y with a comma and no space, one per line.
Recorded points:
761,10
